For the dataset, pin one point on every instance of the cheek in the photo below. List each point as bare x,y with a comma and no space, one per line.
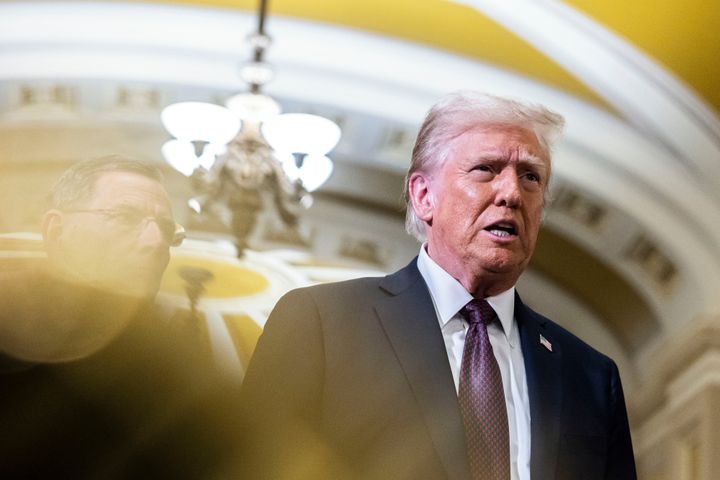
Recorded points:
456,216
81,237
534,219
164,259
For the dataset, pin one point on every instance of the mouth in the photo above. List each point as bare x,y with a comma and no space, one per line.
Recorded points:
504,229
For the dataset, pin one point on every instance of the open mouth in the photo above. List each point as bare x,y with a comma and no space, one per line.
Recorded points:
502,229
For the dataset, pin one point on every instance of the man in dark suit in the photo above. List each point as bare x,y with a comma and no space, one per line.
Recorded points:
439,370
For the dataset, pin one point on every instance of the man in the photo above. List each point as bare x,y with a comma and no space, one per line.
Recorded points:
439,370
110,226
107,237
95,382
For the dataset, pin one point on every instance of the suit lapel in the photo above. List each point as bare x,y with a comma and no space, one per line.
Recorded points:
543,369
409,320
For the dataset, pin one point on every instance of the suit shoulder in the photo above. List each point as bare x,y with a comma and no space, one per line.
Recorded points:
365,287
354,287
318,300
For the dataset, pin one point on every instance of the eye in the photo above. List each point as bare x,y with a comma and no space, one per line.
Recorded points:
127,218
167,227
483,168
533,177
532,182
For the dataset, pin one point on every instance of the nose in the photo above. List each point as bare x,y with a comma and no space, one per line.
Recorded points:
507,189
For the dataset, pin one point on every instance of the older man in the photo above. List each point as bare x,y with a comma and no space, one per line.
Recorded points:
107,236
110,226
439,370
95,382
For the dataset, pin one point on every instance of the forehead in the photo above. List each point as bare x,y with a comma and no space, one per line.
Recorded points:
128,188
499,142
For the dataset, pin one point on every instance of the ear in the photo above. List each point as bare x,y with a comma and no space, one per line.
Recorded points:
421,196
52,228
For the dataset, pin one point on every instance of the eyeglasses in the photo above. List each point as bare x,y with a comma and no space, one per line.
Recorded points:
130,219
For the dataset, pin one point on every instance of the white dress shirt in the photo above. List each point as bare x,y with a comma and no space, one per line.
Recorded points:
449,297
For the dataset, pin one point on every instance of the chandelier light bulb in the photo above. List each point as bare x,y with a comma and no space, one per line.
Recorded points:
301,133
184,158
313,173
287,160
200,121
181,156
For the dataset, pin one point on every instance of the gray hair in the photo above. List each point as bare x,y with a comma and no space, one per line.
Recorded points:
459,112
77,183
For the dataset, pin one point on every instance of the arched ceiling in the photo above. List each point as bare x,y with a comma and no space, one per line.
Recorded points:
682,36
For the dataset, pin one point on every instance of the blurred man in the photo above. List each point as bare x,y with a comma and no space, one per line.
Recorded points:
111,226
95,382
439,370
107,236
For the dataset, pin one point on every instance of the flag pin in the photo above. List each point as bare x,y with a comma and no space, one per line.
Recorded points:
545,343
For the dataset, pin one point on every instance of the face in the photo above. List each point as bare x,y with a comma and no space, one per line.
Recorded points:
117,239
483,206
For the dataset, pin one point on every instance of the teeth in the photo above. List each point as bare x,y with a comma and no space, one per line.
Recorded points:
500,233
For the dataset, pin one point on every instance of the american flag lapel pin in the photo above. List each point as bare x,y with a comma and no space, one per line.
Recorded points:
545,343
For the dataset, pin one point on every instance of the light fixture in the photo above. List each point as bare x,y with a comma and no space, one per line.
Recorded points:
246,155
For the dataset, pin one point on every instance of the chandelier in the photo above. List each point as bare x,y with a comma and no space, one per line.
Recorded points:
246,156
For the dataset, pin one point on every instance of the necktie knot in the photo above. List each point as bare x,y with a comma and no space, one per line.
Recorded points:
477,311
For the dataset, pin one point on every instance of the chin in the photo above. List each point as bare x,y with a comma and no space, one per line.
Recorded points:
141,290
510,267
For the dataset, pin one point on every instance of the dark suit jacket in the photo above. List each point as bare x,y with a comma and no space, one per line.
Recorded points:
351,380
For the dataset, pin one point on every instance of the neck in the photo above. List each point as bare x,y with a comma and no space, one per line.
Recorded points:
62,320
487,285
479,282
103,290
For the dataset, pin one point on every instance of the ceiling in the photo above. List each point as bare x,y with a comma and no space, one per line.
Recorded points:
680,36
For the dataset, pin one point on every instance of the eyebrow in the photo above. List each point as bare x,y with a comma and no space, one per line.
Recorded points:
124,207
533,160
528,160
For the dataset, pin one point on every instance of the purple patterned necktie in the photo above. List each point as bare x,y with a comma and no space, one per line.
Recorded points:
481,397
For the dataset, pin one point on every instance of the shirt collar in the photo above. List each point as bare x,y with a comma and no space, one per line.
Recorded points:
449,296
